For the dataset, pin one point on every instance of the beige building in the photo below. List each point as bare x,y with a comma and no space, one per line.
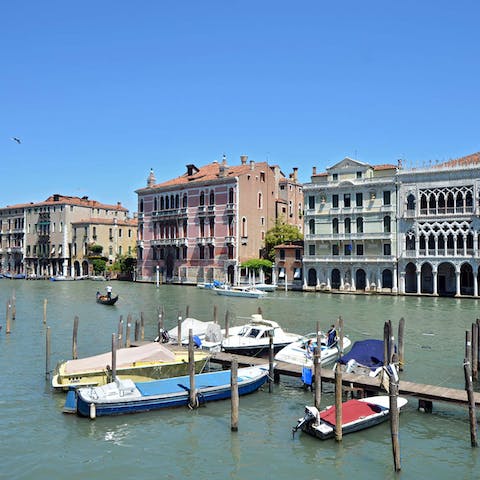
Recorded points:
52,237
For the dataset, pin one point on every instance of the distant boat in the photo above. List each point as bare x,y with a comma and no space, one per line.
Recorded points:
97,278
248,291
126,396
265,287
14,276
356,415
61,278
105,299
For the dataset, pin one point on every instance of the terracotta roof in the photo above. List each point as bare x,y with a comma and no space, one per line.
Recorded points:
66,200
473,159
210,172
385,166
320,175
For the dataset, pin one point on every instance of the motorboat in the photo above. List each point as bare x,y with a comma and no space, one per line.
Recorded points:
365,357
247,291
127,396
254,337
301,351
357,414
210,285
265,287
146,362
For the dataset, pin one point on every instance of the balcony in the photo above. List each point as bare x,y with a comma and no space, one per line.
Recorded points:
210,240
211,209
200,241
230,208
230,240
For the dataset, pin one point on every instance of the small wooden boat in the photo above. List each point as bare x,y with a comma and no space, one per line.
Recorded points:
146,362
254,338
356,415
105,300
126,396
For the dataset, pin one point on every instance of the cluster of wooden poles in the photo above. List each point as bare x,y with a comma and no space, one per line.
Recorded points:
471,367
11,313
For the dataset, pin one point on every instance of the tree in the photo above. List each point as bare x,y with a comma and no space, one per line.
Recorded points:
280,233
257,264
99,265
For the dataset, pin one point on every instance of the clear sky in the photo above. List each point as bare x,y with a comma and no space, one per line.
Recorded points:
100,91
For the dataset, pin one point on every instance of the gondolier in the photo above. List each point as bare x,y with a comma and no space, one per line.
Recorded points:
109,292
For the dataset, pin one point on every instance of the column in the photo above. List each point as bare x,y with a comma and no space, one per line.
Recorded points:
419,282
436,245
475,282
457,279
342,285
395,287
435,281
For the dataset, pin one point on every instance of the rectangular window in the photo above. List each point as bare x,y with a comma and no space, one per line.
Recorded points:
335,250
311,202
359,250
387,249
335,177
335,201
282,254
386,197
311,249
359,174
298,254
359,199
202,252
347,249
346,200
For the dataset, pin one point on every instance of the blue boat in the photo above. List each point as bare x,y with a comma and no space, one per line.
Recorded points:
126,396
366,356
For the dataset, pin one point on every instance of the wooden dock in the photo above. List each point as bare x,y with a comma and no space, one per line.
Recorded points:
429,393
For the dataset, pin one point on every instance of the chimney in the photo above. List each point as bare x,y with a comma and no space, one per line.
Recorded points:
295,173
56,197
314,170
151,179
252,164
243,159
224,160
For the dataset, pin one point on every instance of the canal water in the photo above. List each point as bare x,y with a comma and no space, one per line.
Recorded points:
38,442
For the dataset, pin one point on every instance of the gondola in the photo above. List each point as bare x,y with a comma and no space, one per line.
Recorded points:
104,300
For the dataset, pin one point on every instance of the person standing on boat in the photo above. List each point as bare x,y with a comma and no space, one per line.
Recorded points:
310,349
331,336
109,291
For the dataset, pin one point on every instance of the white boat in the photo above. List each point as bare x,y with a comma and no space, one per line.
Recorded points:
254,338
265,287
247,291
301,351
356,415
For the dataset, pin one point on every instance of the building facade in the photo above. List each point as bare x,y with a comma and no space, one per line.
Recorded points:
438,228
288,266
52,237
201,226
350,228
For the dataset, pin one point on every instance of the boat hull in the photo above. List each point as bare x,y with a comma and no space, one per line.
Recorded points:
205,393
107,301
253,350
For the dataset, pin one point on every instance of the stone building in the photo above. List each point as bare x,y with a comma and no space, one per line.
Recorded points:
438,228
350,228
202,225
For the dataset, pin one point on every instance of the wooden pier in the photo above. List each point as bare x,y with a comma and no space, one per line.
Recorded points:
425,393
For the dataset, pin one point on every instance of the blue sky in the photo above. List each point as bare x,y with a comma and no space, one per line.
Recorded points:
99,92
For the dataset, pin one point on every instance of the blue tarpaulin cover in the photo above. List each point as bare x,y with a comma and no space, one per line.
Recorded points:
366,352
307,375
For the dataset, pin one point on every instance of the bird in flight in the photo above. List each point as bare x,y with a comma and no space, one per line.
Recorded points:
15,139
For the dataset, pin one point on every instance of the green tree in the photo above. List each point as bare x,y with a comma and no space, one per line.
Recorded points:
257,264
280,233
99,265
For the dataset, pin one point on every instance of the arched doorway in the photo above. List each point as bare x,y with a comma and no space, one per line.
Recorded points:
410,278
387,278
426,278
466,279
312,277
76,268
84,267
446,280
336,278
231,274
360,279
169,264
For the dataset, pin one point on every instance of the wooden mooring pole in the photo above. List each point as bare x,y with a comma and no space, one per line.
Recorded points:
401,344
74,338
192,395
227,323
179,330
120,332
317,372
14,306
394,416
114,356
471,402
338,403
47,353
271,354
142,327
45,311
127,331
7,316
234,395
475,351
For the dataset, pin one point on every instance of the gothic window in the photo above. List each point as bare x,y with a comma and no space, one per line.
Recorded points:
311,226
230,195
202,198
335,225
360,225
387,228
184,201
348,225
212,198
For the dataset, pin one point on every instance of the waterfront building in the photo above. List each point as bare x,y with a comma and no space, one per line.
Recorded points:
438,228
201,226
350,228
52,237
288,265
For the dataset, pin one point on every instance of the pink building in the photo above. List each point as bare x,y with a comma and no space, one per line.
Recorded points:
202,225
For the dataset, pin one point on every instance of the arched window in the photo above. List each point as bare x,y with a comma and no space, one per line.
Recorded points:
212,198
167,203
311,226
177,201
360,225
155,204
260,200
244,227
140,206
348,225
184,201
230,195
411,202
162,203
202,198
335,225
172,201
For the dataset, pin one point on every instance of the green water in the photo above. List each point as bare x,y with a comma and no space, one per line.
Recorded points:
39,442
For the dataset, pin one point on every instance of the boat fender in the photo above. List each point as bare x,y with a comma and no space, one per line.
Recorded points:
93,411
